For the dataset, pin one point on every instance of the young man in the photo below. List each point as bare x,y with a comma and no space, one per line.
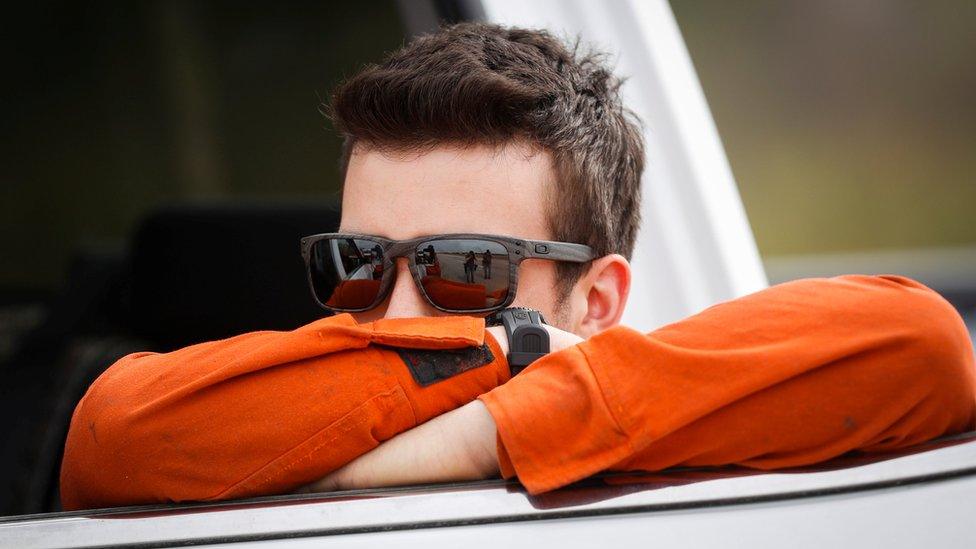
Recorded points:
506,137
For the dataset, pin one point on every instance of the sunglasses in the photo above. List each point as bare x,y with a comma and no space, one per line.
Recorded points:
456,273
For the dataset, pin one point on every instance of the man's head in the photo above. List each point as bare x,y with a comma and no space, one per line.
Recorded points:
485,129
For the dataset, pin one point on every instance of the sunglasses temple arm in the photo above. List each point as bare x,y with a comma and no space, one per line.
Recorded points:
558,251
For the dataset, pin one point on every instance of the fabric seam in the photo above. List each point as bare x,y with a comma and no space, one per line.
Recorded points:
278,471
603,396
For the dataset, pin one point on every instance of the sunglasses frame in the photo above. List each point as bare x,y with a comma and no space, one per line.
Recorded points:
519,249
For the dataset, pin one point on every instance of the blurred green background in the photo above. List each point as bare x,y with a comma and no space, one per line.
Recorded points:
850,124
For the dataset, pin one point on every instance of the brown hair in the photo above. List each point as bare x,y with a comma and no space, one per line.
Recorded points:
477,83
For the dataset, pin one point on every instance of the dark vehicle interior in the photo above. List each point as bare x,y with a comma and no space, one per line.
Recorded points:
193,273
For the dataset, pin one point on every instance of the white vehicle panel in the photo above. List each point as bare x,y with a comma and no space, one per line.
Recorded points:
891,518
696,247
901,485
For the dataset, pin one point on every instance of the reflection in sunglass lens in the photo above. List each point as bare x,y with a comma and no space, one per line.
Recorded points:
463,274
346,273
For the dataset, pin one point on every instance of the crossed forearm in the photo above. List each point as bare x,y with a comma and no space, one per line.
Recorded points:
456,446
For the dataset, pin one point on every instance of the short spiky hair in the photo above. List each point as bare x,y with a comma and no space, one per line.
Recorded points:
483,84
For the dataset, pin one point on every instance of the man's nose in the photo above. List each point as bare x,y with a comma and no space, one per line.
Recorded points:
405,299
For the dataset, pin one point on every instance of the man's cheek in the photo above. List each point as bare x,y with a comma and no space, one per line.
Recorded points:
537,289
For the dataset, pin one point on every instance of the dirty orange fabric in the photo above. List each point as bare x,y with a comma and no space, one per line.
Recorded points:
260,413
792,375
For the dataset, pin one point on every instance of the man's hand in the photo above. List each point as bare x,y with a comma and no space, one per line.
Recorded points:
458,445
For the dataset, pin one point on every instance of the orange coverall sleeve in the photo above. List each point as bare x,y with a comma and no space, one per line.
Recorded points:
265,412
792,375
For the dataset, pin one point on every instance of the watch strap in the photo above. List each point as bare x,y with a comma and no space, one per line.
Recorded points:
528,339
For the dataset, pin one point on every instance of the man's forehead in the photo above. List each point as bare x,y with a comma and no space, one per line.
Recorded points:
495,190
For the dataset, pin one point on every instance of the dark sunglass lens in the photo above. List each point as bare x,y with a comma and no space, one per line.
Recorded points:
346,273
464,274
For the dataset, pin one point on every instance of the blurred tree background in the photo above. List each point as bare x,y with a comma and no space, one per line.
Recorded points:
850,124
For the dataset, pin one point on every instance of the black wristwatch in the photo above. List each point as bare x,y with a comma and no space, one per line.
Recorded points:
528,339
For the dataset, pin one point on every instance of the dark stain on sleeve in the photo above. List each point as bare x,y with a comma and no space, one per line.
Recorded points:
429,367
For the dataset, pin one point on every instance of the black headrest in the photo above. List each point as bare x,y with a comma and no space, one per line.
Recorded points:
204,272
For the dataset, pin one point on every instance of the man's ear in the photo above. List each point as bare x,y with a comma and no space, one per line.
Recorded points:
602,292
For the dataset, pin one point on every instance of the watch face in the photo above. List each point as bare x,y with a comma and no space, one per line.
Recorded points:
519,313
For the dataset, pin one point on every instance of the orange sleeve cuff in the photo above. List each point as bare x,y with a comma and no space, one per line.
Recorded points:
554,425
504,462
